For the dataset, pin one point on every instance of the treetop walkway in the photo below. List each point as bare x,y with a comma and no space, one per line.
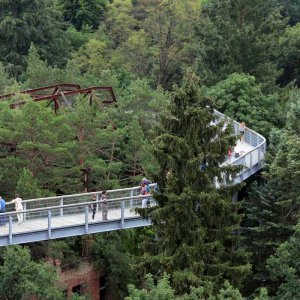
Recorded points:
70,215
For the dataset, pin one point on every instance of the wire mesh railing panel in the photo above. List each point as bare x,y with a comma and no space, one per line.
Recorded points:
70,219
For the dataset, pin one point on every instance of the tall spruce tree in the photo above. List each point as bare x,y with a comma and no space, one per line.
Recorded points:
23,22
196,223
273,207
238,36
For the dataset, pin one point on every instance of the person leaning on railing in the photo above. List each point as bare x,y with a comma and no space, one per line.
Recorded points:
242,128
19,207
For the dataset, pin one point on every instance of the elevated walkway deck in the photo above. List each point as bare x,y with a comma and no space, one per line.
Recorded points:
69,215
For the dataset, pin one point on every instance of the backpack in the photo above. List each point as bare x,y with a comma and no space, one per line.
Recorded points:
147,189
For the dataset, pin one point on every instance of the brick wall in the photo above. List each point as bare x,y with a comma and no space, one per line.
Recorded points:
86,276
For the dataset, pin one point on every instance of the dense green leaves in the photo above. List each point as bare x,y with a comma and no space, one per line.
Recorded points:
22,278
285,269
238,36
83,13
247,55
242,99
23,22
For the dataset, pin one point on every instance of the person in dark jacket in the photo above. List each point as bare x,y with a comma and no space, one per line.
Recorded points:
93,207
2,210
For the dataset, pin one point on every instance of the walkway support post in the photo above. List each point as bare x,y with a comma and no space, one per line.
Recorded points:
61,209
97,205
122,213
10,229
24,209
86,218
49,224
131,200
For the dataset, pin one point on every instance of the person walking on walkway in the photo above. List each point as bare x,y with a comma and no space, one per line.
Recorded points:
93,206
242,128
104,204
2,210
18,207
145,190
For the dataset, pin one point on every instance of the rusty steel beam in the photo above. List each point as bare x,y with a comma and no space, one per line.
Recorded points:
32,92
55,96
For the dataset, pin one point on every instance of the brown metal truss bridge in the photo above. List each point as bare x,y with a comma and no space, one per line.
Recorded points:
59,93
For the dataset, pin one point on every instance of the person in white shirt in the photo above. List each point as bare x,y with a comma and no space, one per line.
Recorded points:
19,207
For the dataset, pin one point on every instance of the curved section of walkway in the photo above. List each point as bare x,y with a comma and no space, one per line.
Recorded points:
70,215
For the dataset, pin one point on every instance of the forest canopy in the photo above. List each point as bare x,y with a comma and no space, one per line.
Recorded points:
169,62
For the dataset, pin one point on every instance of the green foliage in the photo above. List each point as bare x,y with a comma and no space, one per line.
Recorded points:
163,291
90,58
273,208
22,278
83,13
291,9
238,36
4,80
108,254
27,186
247,57
37,147
242,99
163,28
290,45
140,101
77,38
119,21
25,22
38,72
285,268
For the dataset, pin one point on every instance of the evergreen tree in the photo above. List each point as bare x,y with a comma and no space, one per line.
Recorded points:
285,268
40,141
196,223
27,186
4,79
135,150
38,73
238,36
163,290
23,22
273,207
22,278
98,142
83,13
289,45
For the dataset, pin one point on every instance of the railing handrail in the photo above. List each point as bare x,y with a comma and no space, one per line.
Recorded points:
74,205
248,129
82,194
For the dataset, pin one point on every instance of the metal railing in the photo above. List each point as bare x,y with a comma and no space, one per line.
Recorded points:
75,214
61,202
252,159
